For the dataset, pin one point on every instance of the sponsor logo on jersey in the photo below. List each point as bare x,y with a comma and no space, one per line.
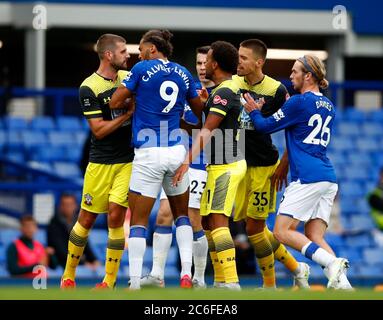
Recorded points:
218,100
278,115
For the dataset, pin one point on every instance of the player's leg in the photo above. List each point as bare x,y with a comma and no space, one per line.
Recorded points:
261,199
179,199
78,238
200,243
162,240
145,184
315,230
94,201
300,270
299,204
218,199
184,234
118,203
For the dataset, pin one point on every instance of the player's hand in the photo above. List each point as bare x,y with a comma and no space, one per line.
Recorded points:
182,169
203,94
280,176
251,104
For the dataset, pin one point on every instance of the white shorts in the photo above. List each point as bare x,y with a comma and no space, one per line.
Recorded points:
305,202
155,167
197,185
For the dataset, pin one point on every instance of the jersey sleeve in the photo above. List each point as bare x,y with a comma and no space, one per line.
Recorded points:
280,97
222,101
90,105
132,78
285,117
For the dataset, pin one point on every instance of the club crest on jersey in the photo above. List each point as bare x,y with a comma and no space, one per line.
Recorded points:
218,100
88,199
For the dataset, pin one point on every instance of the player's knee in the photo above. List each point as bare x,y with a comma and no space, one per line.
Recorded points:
280,235
317,238
254,226
87,219
164,217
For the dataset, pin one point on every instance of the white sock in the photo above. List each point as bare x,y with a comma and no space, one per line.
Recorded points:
312,251
161,247
200,249
184,235
137,247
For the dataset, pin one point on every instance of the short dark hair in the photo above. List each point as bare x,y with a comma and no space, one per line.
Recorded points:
27,218
161,39
107,42
68,195
258,46
203,50
226,55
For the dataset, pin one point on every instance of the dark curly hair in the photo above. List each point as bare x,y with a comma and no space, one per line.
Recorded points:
226,55
161,39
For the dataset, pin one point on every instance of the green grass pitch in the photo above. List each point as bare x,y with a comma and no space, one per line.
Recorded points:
85,293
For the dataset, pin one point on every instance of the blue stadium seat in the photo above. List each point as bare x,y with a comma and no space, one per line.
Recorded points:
97,236
81,136
172,259
341,143
376,116
316,272
73,154
59,138
8,235
172,272
367,145
17,157
3,254
85,272
359,241
338,159
32,139
353,255
67,123
361,222
348,129
372,129
15,123
14,141
43,123
48,154
360,159
148,257
335,240
45,166
55,273
373,256
368,271
41,236
356,173
3,138
67,170
3,272
352,189
356,115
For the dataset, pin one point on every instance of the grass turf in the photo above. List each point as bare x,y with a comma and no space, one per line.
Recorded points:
85,293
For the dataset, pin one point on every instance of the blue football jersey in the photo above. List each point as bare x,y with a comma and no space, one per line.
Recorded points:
162,89
307,119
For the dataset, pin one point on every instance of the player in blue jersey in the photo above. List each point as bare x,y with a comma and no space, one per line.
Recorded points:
161,89
162,236
307,119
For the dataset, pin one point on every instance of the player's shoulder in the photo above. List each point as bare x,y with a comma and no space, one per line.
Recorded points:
239,80
181,67
121,74
270,85
228,86
90,81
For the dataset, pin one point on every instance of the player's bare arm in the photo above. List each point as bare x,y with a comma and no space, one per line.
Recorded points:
279,177
119,97
101,128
